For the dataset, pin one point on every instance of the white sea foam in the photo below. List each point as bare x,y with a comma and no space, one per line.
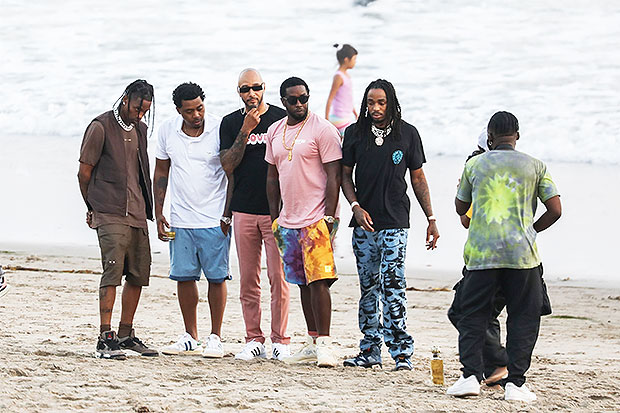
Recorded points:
454,63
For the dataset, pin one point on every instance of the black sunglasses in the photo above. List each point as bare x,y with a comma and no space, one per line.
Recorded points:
246,88
292,100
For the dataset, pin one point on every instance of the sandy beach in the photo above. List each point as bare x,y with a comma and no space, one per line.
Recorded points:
50,323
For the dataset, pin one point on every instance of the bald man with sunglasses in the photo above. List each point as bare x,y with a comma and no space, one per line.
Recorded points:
242,141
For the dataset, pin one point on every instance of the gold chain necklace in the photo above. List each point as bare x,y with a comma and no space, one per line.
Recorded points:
290,150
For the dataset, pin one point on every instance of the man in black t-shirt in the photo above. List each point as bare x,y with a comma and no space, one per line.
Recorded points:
242,153
382,147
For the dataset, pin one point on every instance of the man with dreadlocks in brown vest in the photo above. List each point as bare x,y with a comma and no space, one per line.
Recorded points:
115,184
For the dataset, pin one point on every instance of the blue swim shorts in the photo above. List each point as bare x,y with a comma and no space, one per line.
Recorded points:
196,249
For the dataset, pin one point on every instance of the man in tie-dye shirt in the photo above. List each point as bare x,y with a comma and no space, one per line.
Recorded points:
504,186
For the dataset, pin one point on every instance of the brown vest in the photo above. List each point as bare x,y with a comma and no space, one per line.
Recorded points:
107,189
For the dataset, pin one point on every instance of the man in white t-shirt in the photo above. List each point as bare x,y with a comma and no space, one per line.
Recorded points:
188,154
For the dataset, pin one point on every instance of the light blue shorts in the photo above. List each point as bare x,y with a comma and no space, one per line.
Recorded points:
196,249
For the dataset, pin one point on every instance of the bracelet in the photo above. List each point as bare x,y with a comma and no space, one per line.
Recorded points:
431,218
354,204
226,220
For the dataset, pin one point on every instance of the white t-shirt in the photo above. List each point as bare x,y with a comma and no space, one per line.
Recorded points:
197,182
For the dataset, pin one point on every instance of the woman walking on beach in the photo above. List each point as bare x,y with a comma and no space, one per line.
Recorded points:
339,109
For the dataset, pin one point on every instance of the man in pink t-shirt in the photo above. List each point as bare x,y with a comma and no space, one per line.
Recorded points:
303,178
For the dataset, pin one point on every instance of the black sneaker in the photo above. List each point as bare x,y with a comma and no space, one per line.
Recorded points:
108,348
366,358
403,363
133,343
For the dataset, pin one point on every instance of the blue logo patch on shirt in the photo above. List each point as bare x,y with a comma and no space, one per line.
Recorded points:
397,156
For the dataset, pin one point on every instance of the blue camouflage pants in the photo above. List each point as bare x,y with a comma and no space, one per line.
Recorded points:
380,257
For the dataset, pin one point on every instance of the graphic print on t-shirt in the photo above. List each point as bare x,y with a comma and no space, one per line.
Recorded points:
250,176
257,138
397,156
379,173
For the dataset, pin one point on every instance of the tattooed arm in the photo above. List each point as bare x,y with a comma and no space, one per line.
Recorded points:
231,157
420,188
162,170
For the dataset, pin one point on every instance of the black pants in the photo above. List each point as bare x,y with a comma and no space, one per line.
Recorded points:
523,292
493,353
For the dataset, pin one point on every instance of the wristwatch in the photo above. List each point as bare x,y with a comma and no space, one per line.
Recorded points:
329,219
226,220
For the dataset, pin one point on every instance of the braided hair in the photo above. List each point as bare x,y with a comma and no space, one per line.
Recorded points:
142,90
364,121
503,124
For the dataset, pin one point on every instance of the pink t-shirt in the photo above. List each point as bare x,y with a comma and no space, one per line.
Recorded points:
302,179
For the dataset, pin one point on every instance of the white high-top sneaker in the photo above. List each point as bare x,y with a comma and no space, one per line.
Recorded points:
307,354
325,356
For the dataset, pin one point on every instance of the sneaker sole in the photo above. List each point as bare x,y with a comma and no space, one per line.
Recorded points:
182,353
251,358
212,356
366,366
464,394
109,357
151,353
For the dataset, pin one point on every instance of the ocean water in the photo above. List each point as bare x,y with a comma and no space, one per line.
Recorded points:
453,63
555,65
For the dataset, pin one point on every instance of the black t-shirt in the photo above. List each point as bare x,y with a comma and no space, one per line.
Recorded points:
379,174
250,192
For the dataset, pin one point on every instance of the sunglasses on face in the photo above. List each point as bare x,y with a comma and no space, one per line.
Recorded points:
246,88
292,100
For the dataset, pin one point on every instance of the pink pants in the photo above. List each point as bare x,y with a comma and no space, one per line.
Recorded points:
251,231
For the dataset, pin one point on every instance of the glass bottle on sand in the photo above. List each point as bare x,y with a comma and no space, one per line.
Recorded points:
437,366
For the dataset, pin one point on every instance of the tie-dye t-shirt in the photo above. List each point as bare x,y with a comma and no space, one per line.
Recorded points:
504,186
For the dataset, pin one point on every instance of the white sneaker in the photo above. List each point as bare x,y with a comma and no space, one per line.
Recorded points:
307,354
185,346
522,393
253,349
465,387
280,351
324,355
212,347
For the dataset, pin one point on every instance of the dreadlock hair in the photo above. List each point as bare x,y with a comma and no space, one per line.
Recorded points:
139,89
503,124
345,52
187,91
291,82
362,126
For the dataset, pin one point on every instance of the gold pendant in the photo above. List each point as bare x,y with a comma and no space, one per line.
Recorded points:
290,155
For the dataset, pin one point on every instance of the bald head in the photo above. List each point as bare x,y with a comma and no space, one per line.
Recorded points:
251,89
249,76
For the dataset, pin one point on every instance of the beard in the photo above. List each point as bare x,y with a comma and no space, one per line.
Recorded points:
248,107
299,117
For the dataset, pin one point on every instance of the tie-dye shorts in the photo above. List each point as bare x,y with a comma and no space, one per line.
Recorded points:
306,252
